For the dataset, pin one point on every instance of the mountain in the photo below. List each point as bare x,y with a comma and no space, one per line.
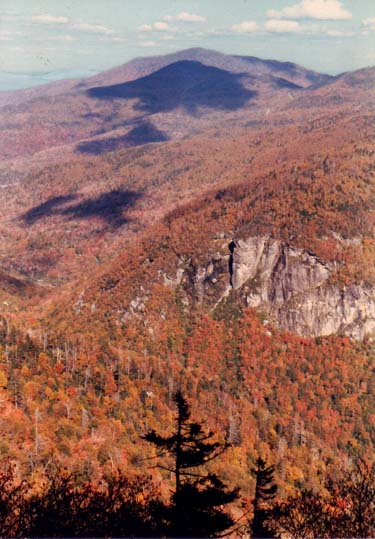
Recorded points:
354,88
141,67
162,140
202,221
303,264
136,103
186,84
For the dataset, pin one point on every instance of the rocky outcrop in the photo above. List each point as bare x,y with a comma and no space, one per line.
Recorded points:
329,310
280,269
292,286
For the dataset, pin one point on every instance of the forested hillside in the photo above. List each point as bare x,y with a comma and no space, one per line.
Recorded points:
220,243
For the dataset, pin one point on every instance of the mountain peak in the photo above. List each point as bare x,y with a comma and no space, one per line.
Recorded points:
250,65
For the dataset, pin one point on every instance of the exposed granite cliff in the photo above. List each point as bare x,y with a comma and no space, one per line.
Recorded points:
291,286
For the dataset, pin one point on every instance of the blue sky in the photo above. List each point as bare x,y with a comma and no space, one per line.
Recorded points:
43,40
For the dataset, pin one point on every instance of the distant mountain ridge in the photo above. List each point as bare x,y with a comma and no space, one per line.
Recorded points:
159,95
186,83
140,67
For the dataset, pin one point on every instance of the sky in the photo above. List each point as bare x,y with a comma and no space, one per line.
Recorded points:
45,40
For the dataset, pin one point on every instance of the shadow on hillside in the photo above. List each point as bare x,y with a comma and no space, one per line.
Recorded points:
109,207
144,133
50,207
185,84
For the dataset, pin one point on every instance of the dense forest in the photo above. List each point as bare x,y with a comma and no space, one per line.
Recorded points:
263,390
61,503
77,426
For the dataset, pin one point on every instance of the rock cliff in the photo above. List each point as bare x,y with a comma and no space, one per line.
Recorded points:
291,286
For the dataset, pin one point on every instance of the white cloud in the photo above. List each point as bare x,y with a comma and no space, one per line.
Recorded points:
338,33
159,26
245,27
283,26
312,9
185,17
145,28
46,18
92,28
369,23
148,44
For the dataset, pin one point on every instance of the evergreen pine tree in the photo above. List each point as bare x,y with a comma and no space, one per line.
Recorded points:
265,492
198,500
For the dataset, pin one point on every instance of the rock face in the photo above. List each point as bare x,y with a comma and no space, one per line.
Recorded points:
292,287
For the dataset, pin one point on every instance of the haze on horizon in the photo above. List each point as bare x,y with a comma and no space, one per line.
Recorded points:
46,40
